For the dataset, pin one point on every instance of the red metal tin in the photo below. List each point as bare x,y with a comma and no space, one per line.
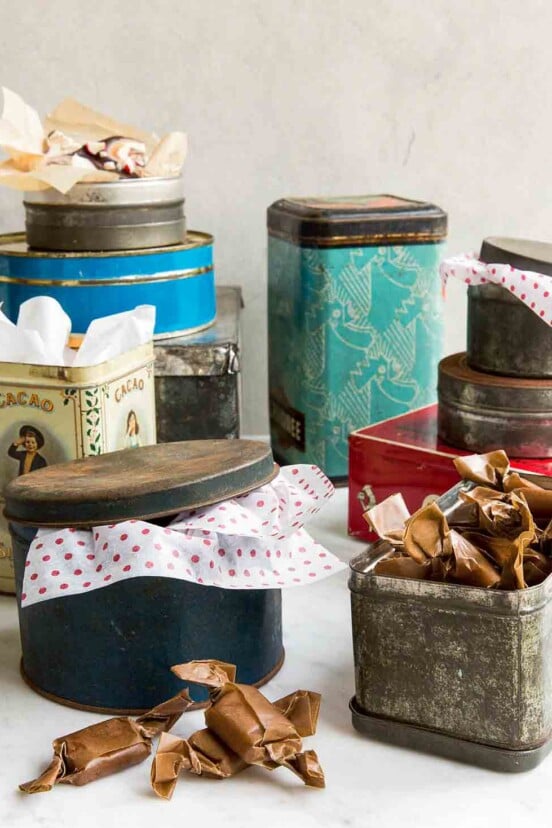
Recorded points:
404,454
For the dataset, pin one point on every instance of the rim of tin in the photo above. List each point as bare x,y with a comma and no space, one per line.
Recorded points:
455,369
524,254
121,193
194,239
133,711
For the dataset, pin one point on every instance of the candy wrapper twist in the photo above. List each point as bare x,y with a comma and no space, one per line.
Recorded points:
243,728
498,534
106,747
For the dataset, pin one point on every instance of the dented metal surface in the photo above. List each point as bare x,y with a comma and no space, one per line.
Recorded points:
470,666
197,378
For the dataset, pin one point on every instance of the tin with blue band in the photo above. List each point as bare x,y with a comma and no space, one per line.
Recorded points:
178,279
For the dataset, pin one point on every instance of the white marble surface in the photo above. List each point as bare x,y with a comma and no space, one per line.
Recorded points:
368,784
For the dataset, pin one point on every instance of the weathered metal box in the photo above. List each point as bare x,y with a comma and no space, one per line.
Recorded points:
460,671
197,378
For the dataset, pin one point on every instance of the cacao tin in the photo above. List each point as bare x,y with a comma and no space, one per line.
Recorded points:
463,672
179,280
480,412
70,413
354,319
111,650
504,335
129,214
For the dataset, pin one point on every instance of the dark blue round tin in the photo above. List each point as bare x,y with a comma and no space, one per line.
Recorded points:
111,650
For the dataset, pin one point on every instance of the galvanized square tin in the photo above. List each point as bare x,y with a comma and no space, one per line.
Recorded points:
198,378
354,319
460,671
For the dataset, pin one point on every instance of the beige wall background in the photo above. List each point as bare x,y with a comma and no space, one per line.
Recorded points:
444,100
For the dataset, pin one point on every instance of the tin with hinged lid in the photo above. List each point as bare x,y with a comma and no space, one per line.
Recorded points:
111,649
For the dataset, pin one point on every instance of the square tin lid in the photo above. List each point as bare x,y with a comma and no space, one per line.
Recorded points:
141,483
343,221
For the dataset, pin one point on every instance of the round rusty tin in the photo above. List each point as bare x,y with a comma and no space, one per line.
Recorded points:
480,412
504,335
128,214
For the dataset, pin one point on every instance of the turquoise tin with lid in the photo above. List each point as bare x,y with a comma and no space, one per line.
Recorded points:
178,279
355,323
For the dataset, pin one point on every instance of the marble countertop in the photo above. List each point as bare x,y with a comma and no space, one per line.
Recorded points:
368,784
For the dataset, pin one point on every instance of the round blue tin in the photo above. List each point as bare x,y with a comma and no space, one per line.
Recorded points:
179,280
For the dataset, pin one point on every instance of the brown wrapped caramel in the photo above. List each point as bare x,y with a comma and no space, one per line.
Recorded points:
106,747
244,729
491,538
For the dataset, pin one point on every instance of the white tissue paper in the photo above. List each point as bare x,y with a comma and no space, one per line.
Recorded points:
252,541
41,335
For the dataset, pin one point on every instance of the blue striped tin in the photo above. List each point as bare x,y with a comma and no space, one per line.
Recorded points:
179,280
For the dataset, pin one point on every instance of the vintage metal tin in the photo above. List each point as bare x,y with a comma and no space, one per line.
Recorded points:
129,214
405,454
74,412
178,280
355,323
504,335
112,649
480,412
198,378
460,671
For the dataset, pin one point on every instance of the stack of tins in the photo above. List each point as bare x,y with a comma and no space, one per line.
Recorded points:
111,649
107,247
354,319
498,394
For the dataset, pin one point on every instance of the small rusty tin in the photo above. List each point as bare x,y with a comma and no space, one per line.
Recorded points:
198,378
480,412
128,214
459,671
111,650
504,335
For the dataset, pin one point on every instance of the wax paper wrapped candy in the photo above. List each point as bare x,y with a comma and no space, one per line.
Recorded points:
490,537
107,747
243,728
75,143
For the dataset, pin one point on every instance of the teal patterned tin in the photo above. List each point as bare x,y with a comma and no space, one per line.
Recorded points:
355,325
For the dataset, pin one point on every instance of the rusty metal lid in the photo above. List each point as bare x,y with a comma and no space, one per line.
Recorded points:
342,221
522,254
146,482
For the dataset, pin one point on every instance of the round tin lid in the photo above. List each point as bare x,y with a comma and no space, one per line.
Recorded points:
125,192
15,245
142,483
523,254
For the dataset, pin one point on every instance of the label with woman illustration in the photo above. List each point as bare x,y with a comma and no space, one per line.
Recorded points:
44,420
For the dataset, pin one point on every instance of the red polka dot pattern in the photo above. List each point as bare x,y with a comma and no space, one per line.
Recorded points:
236,544
532,288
